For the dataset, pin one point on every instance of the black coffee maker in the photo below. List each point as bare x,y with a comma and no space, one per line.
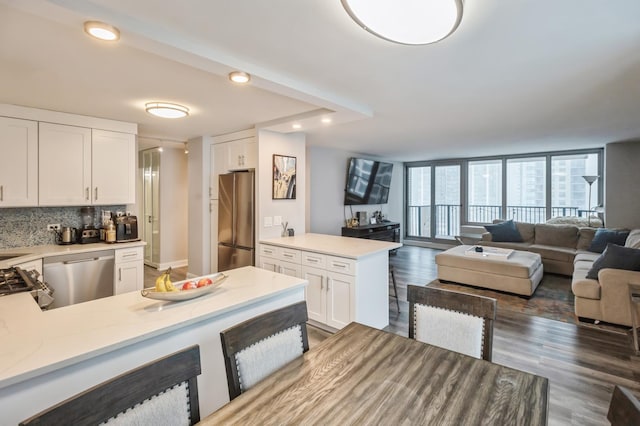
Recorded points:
126,228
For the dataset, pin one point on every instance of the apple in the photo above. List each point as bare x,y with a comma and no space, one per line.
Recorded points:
189,285
204,282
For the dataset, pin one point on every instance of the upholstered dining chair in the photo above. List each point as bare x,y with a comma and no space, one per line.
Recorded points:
261,345
456,321
162,392
624,409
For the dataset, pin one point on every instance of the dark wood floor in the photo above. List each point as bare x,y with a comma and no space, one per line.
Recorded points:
582,364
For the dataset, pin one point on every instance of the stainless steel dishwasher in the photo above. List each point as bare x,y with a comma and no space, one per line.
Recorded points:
77,278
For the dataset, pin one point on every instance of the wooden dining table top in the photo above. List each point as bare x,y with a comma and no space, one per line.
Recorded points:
362,375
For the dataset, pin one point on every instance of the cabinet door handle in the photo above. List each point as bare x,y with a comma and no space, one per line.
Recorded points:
312,260
328,280
321,283
119,274
96,198
87,193
289,255
130,255
1,192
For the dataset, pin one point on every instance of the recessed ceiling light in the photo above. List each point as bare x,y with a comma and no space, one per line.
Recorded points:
326,120
239,77
166,109
101,30
406,21
297,126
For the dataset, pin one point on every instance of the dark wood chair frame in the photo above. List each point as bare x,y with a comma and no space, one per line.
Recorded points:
107,399
624,409
479,306
245,334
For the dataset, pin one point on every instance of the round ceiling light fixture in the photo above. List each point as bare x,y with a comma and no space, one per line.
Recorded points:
166,109
406,21
239,77
101,31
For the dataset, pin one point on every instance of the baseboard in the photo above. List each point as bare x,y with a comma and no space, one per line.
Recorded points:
174,264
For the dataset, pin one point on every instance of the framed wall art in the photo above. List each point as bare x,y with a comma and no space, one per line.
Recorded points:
284,177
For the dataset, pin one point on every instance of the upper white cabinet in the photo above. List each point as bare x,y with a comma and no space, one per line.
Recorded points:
19,171
80,166
65,165
113,167
231,152
242,154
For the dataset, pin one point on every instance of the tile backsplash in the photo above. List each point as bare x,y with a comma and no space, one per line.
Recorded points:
27,226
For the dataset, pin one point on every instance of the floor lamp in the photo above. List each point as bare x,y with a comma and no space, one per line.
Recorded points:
589,180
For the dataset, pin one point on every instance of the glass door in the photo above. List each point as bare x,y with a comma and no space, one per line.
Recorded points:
151,205
447,201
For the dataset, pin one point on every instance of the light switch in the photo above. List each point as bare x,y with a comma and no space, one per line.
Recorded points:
268,222
277,220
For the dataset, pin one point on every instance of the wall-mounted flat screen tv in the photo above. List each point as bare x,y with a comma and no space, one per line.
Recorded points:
368,182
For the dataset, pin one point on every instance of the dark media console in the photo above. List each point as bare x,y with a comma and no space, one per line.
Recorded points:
386,231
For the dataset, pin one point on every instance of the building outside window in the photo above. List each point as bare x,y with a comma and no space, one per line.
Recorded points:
527,188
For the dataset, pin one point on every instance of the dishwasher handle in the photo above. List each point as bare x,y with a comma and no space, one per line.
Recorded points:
89,259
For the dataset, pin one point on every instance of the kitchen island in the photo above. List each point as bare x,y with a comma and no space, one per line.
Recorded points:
348,277
47,356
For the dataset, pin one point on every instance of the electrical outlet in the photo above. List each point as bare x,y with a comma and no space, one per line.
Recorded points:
268,222
53,227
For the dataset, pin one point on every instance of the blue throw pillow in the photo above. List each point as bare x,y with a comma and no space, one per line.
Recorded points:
504,232
616,257
605,236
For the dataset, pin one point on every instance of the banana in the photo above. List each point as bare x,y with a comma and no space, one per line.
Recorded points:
160,287
167,281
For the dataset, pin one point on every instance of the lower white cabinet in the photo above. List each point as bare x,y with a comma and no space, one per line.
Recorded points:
330,295
129,270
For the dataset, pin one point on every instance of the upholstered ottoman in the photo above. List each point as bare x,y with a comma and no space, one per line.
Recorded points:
519,273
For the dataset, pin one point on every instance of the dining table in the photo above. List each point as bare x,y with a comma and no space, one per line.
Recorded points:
362,375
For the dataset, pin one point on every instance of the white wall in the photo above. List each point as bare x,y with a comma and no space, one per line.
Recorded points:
198,182
292,211
327,175
174,208
622,191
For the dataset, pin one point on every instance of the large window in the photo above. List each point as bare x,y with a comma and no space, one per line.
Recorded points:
484,191
442,196
526,195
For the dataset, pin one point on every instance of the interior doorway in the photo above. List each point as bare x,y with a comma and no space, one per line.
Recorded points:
151,205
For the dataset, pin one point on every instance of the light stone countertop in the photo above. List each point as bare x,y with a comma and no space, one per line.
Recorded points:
333,245
40,252
34,342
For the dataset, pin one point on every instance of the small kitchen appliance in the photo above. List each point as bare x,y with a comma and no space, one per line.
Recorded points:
67,235
126,228
88,233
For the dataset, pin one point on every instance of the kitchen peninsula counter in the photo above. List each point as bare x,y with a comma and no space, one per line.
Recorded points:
27,254
348,277
47,356
334,245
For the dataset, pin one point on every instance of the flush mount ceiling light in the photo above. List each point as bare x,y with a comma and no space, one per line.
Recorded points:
406,21
166,109
101,30
239,77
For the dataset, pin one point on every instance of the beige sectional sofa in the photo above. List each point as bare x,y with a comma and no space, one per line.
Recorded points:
563,249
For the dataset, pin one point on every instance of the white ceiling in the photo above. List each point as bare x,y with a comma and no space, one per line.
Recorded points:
516,76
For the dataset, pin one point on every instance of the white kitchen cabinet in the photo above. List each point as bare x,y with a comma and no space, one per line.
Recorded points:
129,270
339,299
242,154
227,157
283,261
113,167
64,155
78,166
330,292
19,171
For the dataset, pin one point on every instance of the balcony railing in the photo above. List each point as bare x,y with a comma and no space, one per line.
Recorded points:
447,220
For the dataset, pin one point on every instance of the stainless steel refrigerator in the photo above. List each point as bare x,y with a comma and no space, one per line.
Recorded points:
236,213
